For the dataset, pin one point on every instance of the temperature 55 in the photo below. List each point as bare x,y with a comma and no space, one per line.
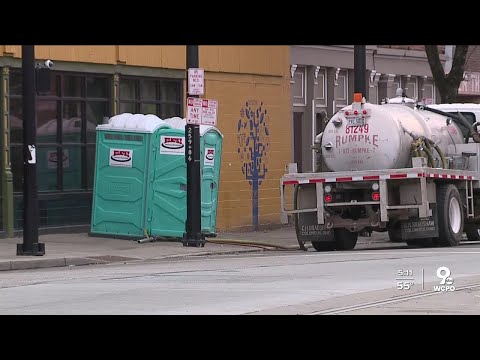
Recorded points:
404,279
404,285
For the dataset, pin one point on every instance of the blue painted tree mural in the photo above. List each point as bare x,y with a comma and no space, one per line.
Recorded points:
253,146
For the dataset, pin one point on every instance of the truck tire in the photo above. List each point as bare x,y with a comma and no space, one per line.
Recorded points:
323,246
450,215
472,232
422,243
395,235
345,240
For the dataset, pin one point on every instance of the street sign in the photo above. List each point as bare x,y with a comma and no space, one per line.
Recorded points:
196,82
194,111
202,111
209,112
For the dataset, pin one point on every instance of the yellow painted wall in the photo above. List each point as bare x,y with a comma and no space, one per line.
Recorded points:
264,60
233,91
235,75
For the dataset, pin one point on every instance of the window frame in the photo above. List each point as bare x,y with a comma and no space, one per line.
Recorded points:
137,101
60,143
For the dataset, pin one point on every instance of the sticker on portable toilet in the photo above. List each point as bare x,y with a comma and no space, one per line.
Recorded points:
172,145
121,157
209,159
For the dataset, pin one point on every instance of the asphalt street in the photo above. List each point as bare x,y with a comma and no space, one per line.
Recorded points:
351,282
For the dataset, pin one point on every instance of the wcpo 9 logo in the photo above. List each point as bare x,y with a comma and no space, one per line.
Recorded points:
446,281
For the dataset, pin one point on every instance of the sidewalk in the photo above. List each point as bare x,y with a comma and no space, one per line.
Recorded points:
81,249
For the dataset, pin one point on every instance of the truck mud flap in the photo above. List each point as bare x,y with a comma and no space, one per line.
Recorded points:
309,230
416,228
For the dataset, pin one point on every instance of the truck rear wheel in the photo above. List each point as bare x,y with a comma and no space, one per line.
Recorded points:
450,215
395,235
472,232
345,240
322,245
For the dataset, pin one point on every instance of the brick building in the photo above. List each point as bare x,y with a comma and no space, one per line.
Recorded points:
322,82
469,90
92,83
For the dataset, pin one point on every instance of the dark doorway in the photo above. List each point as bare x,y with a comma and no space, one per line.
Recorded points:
297,139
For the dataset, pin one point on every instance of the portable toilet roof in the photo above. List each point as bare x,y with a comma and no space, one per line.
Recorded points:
179,123
134,122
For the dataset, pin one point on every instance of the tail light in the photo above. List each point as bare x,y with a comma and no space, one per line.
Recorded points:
328,198
376,196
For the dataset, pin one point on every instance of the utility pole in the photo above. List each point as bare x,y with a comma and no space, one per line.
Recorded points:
30,245
193,227
360,69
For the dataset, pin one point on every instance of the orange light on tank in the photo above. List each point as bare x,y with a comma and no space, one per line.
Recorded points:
376,196
328,198
357,97
364,112
355,112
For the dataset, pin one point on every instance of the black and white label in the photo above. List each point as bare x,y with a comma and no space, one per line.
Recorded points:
416,228
121,157
33,154
172,145
209,159
310,230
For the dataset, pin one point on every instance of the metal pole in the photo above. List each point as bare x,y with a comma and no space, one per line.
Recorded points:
30,245
314,135
193,227
360,69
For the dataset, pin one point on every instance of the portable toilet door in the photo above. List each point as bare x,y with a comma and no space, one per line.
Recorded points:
211,153
124,148
167,198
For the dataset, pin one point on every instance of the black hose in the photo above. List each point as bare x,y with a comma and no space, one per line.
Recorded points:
459,120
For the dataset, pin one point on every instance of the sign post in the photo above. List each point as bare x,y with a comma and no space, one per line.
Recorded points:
30,245
193,227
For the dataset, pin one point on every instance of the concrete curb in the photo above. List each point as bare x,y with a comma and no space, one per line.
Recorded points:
81,261
96,260
47,263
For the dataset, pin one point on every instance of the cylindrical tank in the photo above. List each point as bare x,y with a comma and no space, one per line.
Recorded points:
384,141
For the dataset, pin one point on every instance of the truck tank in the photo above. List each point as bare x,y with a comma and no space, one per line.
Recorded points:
380,136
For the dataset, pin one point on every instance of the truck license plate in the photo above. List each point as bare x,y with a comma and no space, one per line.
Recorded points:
356,121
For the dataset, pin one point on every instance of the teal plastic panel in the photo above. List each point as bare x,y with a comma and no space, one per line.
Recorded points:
211,153
166,211
120,183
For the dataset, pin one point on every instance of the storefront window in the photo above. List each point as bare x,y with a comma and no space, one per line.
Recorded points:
151,96
67,117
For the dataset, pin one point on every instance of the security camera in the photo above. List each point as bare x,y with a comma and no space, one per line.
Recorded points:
49,63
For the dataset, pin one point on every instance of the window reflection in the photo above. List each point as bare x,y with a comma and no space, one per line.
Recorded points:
151,96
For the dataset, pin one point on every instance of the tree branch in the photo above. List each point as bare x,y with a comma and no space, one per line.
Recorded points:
435,64
458,64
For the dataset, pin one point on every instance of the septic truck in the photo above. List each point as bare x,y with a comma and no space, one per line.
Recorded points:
401,167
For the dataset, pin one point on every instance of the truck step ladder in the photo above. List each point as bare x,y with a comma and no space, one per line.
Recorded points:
469,194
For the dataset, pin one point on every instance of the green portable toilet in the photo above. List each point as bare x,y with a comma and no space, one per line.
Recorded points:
211,156
167,196
124,150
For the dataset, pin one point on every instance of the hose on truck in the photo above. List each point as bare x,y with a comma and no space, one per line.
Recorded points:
458,119
422,144
473,132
